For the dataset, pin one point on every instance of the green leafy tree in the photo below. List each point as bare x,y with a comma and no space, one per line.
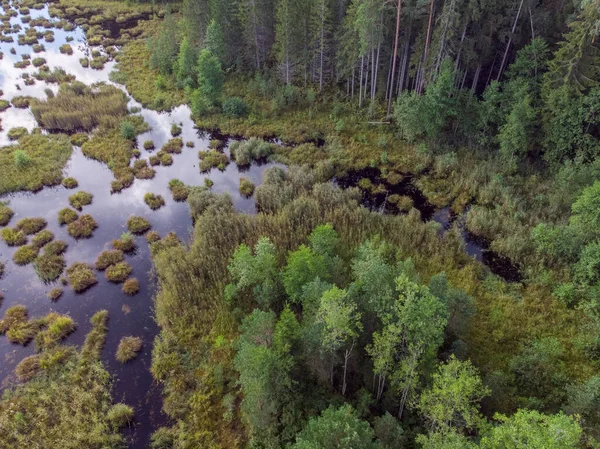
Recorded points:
164,48
452,402
303,265
215,40
186,64
210,76
341,325
445,440
530,429
336,428
584,400
389,432
515,135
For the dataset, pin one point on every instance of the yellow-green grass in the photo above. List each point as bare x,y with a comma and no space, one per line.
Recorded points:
66,216
42,238
108,258
31,225
46,158
55,248
49,266
80,199
25,255
154,201
110,147
83,227
13,237
128,349
126,243
55,294
138,225
246,187
81,276
6,213
131,286
118,272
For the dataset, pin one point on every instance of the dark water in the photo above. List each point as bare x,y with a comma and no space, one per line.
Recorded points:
133,383
475,246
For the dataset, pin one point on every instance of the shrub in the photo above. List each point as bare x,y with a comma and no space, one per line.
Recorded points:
154,201
85,62
173,146
6,214
166,159
154,160
31,225
126,243
254,149
179,190
118,272
66,49
83,227
175,130
108,258
25,255
128,130
235,107
16,134
66,216
49,266
212,159
152,237
128,349
119,415
21,159
14,237
56,248
168,241
148,145
81,276
131,286
80,199
42,238
70,183
246,187
138,225
55,294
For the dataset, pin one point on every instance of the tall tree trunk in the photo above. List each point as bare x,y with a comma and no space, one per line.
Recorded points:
322,46
462,38
425,53
362,65
346,357
501,68
476,79
398,11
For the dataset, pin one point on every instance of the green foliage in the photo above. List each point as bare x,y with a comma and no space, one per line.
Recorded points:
119,415
164,47
235,107
66,216
49,266
25,255
246,187
186,64
31,225
118,272
14,237
80,199
131,286
154,201
128,130
210,76
128,349
108,258
6,214
81,276
303,265
83,227
138,225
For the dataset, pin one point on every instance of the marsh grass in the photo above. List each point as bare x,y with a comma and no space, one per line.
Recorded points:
42,238
66,216
179,190
131,286
6,213
31,225
55,294
126,243
80,199
212,159
49,267
152,237
21,101
138,225
118,272
55,248
173,146
25,255
66,49
70,183
148,145
246,187
166,159
108,258
81,276
154,201
16,133
83,227
175,130
13,237
128,349
109,147
56,328
154,160
119,415
17,327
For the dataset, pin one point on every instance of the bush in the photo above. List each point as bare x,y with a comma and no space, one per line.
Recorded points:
25,255
21,159
154,160
6,214
148,145
56,248
173,146
31,225
154,201
81,276
128,130
16,134
14,237
128,349
66,216
55,294
179,190
108,258
66,49
4,105
175,130
119,415
246,187
131,286
119,272
83,227
126,243
42,238
189,144
70,183
138,225
235,107
80,199
49,266
166,159
254,149
85,62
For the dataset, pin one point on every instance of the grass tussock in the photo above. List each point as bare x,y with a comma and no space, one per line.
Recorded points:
56,328
31,225
212,159
81,277
154,201
6,213
109,147
37,161
126,243
138,225
152,237
66,216
70,183
56,248
118,272
246,187
131,286
173,146
49,267
128,349
120,415
42,238
80,199
83,227
25,255
17,327
55,294
108,258
179,190
13,237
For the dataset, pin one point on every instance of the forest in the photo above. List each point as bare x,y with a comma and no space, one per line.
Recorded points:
337,310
